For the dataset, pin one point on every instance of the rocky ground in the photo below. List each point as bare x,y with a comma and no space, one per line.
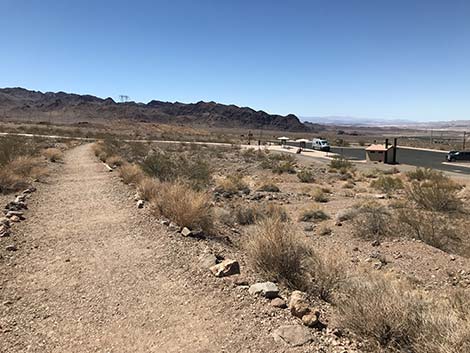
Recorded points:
88,271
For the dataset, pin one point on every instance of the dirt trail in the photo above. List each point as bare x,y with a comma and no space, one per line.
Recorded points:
94,274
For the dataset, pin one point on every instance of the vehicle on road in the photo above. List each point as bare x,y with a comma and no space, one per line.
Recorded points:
453,156
321,145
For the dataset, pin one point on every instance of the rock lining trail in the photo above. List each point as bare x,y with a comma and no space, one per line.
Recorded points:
95,274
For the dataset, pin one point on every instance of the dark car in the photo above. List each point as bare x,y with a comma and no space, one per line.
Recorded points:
453,156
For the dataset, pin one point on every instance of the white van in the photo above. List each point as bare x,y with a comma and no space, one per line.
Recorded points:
321,145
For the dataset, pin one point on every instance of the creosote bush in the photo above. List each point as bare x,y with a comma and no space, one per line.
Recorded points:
436,194
149,188
372,221
306,176
387,184
319,195
340,163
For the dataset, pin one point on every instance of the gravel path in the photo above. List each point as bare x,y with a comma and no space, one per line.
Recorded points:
94,274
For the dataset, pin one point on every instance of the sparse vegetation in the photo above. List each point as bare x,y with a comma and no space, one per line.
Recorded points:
306,176
372,221
436,194
313,215
319,195
387,184
269,187
53,154
185,206
131,173
340,163
231,185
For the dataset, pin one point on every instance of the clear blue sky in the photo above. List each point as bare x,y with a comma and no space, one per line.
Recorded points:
365,58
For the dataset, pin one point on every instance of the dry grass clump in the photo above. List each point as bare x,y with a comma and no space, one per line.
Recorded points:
231,185
314,214
372,221
115,161
340,163
319,195
422,174
394,317
377,308
185,206
437,194
53,154
18,173
148,188
245,215
174,166
131,173
387,184
306,176
269,187
279,251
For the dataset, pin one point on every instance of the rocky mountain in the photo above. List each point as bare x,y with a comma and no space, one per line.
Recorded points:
23,104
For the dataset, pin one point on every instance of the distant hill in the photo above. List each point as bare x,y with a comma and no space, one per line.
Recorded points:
23,104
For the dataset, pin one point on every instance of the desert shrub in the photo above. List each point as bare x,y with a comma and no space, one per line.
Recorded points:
131,173
251,214
313,215
340,163
13,147
437,194
269,187
231,185
391,171
171,167
305,176
382,310
185,206
319,195
115,161
372,221
148,188
387,184
284,167
394,317
349,185
326,273
19,173
431,227
279,251
53,154
346,214
422,174
324,230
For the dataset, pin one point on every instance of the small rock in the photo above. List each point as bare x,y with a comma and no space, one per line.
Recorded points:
452,258
4,231
174,227
308,228
165,222
226,268
15,219
186,232
279,303
375,243
140,204
14,213
298,304
240,280
292,335
355,248
310,320
11,248
266,289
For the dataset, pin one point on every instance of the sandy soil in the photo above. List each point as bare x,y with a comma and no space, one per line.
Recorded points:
94,274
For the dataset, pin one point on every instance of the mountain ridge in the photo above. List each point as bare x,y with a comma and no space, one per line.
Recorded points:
23,104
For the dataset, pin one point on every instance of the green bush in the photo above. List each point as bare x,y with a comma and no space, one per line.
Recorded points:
305,176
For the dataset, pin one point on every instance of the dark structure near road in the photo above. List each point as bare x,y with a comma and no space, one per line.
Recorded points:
382,153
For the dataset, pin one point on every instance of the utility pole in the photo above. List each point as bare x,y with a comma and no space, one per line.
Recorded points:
123,98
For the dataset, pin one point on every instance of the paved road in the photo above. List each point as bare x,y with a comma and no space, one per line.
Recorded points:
418,158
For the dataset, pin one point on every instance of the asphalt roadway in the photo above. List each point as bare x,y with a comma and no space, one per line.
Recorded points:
414,157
